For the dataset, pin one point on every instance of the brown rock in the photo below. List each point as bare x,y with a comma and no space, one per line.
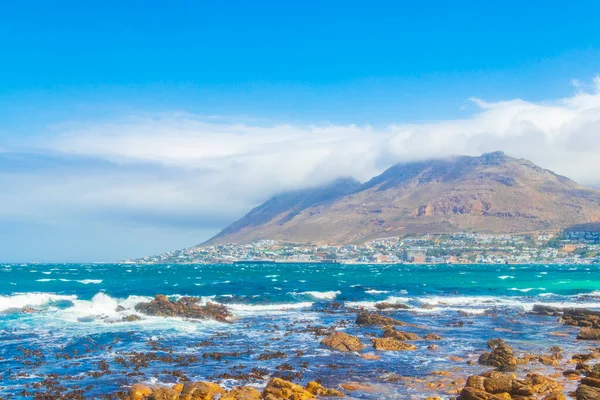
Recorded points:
501,357
200,391
279,389
432,336
391,332
367,318
185,307
318,390
355,386
391,344
589,334
343,342
163,393
543,385
469,393
242,393
590,382
139,392
396,306
585,392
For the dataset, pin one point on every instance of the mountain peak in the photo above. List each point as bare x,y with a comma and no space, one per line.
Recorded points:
490,193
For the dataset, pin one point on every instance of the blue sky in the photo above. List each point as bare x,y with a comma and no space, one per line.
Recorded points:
175,100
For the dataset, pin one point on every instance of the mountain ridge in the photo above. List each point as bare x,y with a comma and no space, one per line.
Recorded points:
491,193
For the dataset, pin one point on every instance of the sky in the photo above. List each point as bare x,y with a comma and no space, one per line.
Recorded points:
138,127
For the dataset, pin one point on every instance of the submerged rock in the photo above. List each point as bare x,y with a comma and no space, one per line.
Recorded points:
185,307
397,306
343,342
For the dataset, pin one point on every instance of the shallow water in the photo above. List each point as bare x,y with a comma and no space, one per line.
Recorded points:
77,325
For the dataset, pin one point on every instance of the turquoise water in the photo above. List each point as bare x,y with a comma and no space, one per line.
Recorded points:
76,325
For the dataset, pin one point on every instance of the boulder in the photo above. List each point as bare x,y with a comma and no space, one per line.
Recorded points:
279,389
372,319
139,392
343,342
242,393
590,382
543,385
585,392
318,390
589,334
185,307
391,332
501,357
163,393
391,344
469,393
396,306
200,391
432,336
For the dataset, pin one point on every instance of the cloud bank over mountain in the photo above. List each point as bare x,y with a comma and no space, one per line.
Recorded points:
191,175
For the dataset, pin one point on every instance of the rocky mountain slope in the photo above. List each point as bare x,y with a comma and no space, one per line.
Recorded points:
491,193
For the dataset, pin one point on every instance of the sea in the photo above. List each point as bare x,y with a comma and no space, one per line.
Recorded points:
73,330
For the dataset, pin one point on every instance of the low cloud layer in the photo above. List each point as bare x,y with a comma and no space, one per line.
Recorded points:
196,174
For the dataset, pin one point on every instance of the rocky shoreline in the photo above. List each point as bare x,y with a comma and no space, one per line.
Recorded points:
505,372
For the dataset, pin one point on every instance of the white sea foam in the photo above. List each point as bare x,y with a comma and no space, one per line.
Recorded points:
88,281
322,295
268,307
373,291
506,277
45,280
34,299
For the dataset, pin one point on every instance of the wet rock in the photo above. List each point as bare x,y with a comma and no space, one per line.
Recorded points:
546,310
585,392
591,382
543,385
432,336
391,332
139,392
185,307
132,318
279,389
318,390
589,334
163,393
200,391
242,393
501,357
343,342
396,306
372,319
470,393
391,344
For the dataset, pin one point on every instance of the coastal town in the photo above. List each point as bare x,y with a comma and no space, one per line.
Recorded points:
567,247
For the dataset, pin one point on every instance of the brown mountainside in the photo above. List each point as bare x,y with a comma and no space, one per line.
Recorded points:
492,193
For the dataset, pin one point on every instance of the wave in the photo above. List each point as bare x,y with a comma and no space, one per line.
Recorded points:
34,299
373,291
330,295
506,277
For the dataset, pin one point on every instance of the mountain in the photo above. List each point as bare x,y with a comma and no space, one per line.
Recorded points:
492,193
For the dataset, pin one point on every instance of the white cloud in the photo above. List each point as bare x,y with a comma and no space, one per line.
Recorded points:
180,166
